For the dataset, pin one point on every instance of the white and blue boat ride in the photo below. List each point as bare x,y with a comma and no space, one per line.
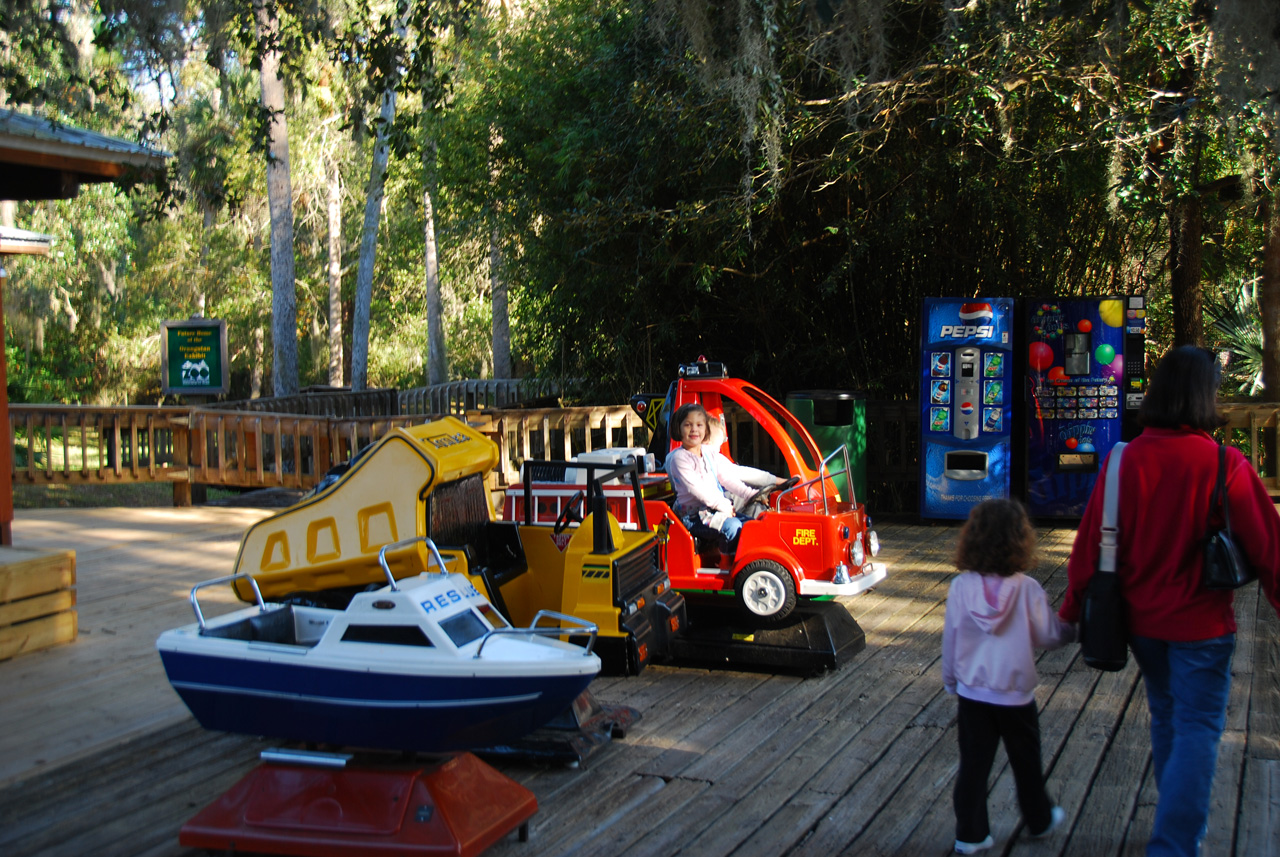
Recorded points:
424,664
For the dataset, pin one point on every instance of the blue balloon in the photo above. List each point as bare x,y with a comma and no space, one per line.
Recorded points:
1085,447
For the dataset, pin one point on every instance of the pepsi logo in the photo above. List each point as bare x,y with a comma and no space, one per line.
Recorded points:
966,408
973,313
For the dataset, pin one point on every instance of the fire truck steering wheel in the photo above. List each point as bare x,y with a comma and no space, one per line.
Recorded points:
571,513
762,496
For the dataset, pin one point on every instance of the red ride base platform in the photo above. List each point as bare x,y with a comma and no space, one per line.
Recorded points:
457,807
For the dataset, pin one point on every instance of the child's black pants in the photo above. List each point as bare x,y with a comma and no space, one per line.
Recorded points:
982,726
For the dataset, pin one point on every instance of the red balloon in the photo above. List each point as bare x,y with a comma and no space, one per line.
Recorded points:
1072,443
1085,325
1058,375
1040,356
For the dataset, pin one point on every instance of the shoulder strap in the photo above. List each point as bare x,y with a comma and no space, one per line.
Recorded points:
1220,492
1110,504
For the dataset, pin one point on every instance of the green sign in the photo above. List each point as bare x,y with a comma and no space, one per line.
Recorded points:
193,357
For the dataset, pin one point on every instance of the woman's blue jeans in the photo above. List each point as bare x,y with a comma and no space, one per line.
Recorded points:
1187,689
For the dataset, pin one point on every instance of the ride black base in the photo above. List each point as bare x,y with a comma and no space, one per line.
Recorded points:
582,729
817,636
460,806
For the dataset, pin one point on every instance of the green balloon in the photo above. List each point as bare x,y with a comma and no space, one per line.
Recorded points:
1105,354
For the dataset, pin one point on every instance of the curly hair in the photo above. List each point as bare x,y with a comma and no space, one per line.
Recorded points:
997,539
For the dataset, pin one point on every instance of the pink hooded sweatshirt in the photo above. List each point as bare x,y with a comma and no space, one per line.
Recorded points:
993,623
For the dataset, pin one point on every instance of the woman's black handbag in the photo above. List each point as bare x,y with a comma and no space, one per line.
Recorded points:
1104,632
1224,566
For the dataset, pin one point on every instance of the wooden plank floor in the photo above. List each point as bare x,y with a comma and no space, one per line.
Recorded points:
98,755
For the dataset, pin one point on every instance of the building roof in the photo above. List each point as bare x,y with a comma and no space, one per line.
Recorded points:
42,159
20,242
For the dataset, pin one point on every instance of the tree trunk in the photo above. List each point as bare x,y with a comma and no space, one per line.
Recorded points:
1269,298
369,246
210,219
284,311
335,279
255,364
501,322
369,232
437,357
1186,226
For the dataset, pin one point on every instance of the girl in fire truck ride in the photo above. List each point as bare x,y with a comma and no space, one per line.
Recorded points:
703,478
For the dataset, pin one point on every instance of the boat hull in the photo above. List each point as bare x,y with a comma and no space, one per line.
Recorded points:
362,708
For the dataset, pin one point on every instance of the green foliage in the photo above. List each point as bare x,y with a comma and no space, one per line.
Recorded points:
773,184
1237,327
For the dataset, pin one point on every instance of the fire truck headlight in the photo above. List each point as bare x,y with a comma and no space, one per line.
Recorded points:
874,541
856,554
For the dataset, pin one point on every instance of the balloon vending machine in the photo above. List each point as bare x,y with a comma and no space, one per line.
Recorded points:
966,406
1085,378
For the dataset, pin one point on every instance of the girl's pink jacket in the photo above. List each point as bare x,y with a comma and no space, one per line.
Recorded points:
992,627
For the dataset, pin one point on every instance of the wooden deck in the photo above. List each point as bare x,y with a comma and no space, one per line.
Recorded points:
99,757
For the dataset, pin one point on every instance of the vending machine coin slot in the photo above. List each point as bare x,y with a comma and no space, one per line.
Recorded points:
1077,347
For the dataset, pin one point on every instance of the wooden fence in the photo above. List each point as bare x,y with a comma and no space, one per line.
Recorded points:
241,448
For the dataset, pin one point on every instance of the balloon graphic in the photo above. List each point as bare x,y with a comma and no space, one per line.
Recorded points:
1040,356
1104,354
1058,375
1115,370
1085,447
1112,312
1072,443
1084,325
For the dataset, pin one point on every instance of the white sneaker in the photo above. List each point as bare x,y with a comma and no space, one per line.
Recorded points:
1056,816
974,847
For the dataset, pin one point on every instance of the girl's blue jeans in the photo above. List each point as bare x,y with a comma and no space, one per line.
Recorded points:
1187,689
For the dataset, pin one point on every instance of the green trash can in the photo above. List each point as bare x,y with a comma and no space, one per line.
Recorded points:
834,417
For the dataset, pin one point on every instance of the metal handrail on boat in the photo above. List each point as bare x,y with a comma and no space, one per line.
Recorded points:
586,628
403,543
195,601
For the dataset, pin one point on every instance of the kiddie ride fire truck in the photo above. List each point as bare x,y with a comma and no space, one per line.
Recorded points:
808,541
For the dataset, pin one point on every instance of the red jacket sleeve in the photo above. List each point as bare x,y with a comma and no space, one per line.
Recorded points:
1255,523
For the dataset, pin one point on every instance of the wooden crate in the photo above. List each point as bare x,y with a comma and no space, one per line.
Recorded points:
37,599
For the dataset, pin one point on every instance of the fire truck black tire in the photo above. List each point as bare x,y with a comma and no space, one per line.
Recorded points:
571,513
766,591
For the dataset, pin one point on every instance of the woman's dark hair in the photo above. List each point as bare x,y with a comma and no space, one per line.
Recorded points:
681,414
1184,391
997,539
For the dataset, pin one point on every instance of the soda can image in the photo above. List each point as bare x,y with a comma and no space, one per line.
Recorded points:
993,392
940,419
940,364
991,421
992,365
940,392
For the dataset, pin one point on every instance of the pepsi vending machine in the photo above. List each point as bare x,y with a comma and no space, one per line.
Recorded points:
967,380
1085,377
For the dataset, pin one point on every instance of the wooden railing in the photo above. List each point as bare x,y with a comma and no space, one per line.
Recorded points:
69,443
1252,428
249,449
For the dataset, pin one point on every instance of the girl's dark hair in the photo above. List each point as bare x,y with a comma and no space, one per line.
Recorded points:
1184,391
681,414
997,539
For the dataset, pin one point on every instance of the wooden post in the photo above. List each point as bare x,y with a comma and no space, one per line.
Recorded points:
182,461
6,449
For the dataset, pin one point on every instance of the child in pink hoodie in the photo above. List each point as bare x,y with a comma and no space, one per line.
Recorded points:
996,616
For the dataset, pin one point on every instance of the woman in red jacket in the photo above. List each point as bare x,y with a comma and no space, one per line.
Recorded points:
1181,634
